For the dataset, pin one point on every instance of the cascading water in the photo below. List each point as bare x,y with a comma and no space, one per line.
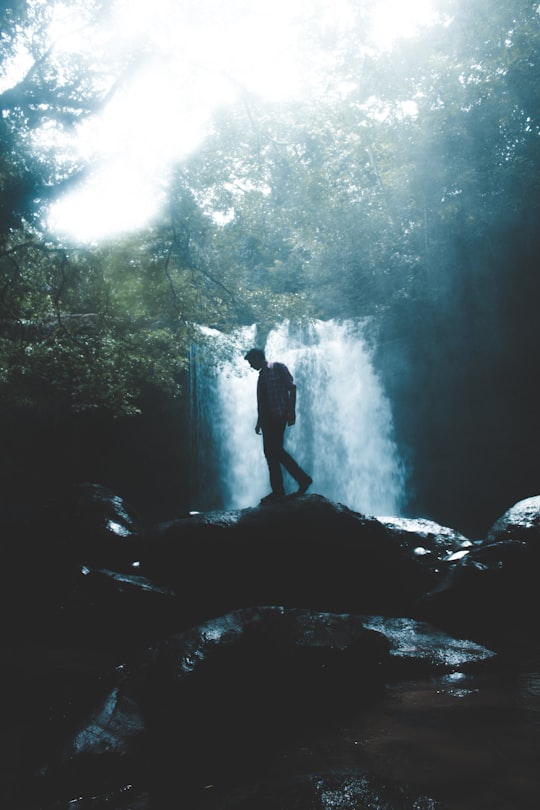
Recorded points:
343,436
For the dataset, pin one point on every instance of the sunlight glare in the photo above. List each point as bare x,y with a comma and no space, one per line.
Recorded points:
394,19
191,59
117,199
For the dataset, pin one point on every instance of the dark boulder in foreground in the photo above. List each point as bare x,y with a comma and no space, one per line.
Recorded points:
335,790
145,665
209,704
85,562
86,566
490,590
301,552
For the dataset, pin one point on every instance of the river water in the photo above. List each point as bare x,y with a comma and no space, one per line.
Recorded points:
470,742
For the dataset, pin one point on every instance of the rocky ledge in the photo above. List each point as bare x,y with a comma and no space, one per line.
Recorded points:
155,667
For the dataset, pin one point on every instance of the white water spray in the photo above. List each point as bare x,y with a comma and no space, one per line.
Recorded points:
343,436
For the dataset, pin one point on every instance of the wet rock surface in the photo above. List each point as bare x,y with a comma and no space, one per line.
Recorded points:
268,657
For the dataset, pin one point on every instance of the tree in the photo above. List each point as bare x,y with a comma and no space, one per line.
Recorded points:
45,94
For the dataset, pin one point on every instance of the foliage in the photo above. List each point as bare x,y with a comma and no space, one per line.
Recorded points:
41,94
399,188
82,330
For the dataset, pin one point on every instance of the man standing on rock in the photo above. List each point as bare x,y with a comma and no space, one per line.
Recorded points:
276,408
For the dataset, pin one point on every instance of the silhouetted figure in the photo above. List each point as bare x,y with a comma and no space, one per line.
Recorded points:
276,408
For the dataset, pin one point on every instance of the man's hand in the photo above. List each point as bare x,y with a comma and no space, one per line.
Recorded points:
291,419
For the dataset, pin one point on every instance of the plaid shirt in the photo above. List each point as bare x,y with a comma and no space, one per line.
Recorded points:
273,391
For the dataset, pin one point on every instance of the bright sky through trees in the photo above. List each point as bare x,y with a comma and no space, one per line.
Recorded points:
197,57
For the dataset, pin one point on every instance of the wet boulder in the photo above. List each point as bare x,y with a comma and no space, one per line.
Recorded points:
48,693
418,649
209,705
226,693
207,701
141,666
430,543
336,789
490,591
300,552
93,524
113,610
44,552
521,522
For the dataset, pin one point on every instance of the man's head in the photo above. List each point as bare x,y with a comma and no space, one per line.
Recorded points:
255,358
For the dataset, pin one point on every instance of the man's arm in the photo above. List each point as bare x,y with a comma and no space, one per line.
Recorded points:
291,415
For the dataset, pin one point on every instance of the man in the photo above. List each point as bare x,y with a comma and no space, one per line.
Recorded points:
276,408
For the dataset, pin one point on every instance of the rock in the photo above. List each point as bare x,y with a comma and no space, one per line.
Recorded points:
224,694
332,790
150,662
417,648
112,610
47,692
209,700
205,705
299,552
94,525
429,541
490,591
520,522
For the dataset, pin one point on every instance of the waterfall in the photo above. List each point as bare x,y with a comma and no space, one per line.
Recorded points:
343,436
